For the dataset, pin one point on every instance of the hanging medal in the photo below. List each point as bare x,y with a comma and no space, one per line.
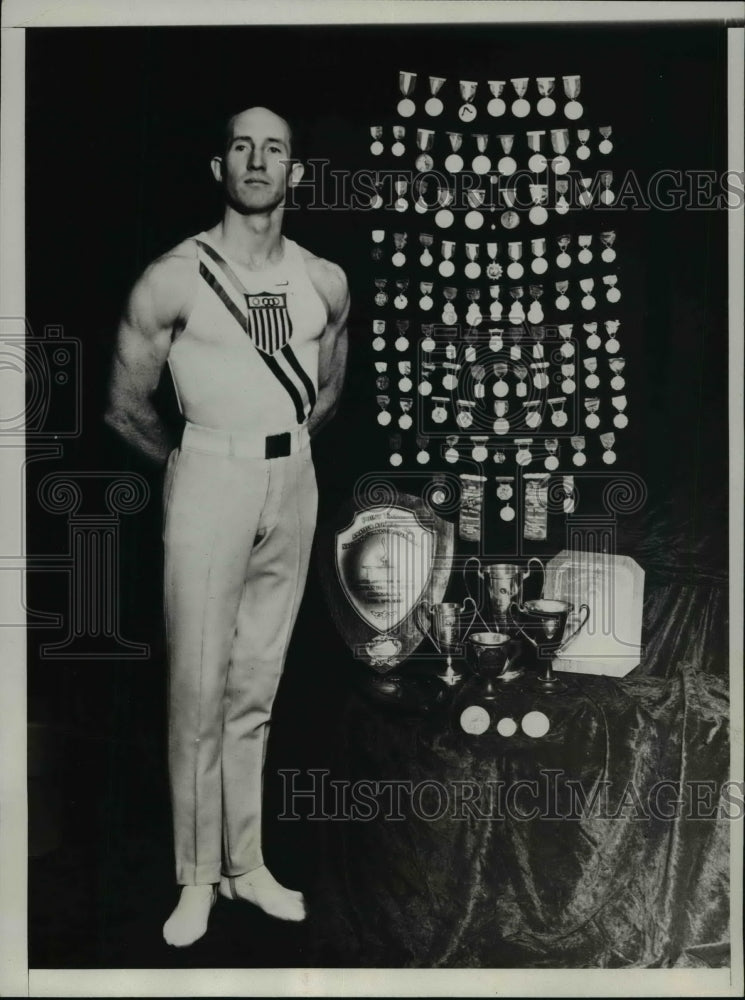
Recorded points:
613,294
539,264
500,387
378,330
539,196
515,269
495,340
587,285
472,269
505,492
376,201
425,302
400,301
572,86
563,260
516,313
424,140
533,416
535,311
381,296
510,219
449,316
567,347
402,327
583,150
608,440
434,106
425,386
406,82
449,334
493,269
428,343
562,301
426,257
467,111
616,366
562,205
520,107
593,341
605,145
444,217
496,106
523,456
506,165
495,309
551,461
464,416
451,449
620,419
521,373
585,253
400,204
515,336
376,133
473,316
439,413
475,198
537,162
501,425
384,417
546,105
399,134
591,408
422,455
612,344
607,196
399,242
481,162
591,366
405,420
568,384
540,374
469,338
479,451
446,267
578,443
608,239
404,383
454,161
560,144
421,205
569,502
394,443
585,194
479,373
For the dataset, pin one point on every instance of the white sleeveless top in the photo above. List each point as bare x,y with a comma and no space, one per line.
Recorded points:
248,355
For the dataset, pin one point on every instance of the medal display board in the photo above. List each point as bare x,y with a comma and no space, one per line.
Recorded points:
497,336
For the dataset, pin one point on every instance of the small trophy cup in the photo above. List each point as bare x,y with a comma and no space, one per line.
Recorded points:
445,631
546,620
505,583
494,662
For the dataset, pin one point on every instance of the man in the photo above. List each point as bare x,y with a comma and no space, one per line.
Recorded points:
253,328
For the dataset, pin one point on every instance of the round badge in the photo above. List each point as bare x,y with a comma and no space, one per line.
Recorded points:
579,458
472,269
562,303
425,303
376,201
376,148
467,112
504,491
496,107
593,342
404,384
551,463
464,419
605,146
402,344
621,420
406,107
608,255
537,163
481,164
533,419
583,153
559,418
422,457
609,457
451,455
560,165
585,255
378,344
563,260
405,421
612,346
433,107
592,420
613,295
474,720
568,386
398,259
446,268
424,163
501,388
454,163
515,269
400,205
398,149
617,383
474,220
588,302
507,513
538,215
592,381
439,415
507,165
395,459
501,425
384,418
444,218
535,724
421,207
450,381
562,206
510,219
506,727
539,265
520,107
523,457
573,110
428,344
546,106
567,350
425,388
479,453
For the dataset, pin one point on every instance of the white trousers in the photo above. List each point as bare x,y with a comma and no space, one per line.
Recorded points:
237,534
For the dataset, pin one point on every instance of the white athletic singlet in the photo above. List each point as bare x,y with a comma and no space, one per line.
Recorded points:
248,355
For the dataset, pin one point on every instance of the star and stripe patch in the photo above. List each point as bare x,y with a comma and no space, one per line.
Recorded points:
265,318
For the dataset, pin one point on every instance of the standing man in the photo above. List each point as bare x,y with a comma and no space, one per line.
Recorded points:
253,328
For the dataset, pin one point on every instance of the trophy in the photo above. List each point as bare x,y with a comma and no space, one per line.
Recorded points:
445,631
494,662
505,583
547,619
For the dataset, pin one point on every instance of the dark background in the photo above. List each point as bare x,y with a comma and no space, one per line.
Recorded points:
120,128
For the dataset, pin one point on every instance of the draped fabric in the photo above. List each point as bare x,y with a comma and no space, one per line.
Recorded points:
620,885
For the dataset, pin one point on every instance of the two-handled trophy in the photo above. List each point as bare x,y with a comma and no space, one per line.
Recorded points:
543,623
442,623
505,585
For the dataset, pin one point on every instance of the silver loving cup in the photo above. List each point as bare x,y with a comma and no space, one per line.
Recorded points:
442,622
547,620
505,583
495,654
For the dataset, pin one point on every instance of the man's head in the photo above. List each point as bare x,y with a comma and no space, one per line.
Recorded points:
256,167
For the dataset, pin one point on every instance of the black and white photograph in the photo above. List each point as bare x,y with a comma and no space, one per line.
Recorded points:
372,443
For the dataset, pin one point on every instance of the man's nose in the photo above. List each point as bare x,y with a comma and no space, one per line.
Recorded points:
256,158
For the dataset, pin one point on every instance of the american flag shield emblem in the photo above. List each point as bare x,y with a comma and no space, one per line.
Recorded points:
268,321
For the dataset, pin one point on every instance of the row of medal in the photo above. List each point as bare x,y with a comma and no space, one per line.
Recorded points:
449,336
511,201
520,90
474,252
427,139
477,449
517,314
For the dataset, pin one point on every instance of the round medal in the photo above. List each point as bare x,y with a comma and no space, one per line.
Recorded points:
496,107
585,255
523,457
377,147
568,386
546,106
406,107
579,458
425,388
376,201
506,727
404,384
520,107
588,302
439,414
384,418
533,419
585,199
563,260
605,146
472,269
481,164
501,388
537,163
617,383
395,459
454,163
538,215
551,463
573,110
609,457
400,204
398,148
428,344
451,455
474,720
405,421
424,163
612,346
593,342
583,152
515,269
567,350
535,724
464,419
592,420
592,381
562,303
378,344
507,513
426,303
402,344
467,112
501,425
450,381
398,259
474,220
560,165
620,420
539,265
420,206
433,107
507,165
446,268
510,219
422,457
608,255
613,295
444,218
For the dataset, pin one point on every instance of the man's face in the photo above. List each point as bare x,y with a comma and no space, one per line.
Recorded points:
255,170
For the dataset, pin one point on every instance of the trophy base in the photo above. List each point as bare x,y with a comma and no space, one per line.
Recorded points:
551,685
409,694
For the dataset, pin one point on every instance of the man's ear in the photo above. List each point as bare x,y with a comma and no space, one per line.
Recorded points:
216,167
296,174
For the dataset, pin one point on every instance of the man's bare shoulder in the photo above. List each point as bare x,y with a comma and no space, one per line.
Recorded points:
329,279
164,288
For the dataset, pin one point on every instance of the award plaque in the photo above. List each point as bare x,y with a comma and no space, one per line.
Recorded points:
613,587
378,564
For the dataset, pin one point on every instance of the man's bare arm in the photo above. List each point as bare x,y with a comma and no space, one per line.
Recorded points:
154,310
332,360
